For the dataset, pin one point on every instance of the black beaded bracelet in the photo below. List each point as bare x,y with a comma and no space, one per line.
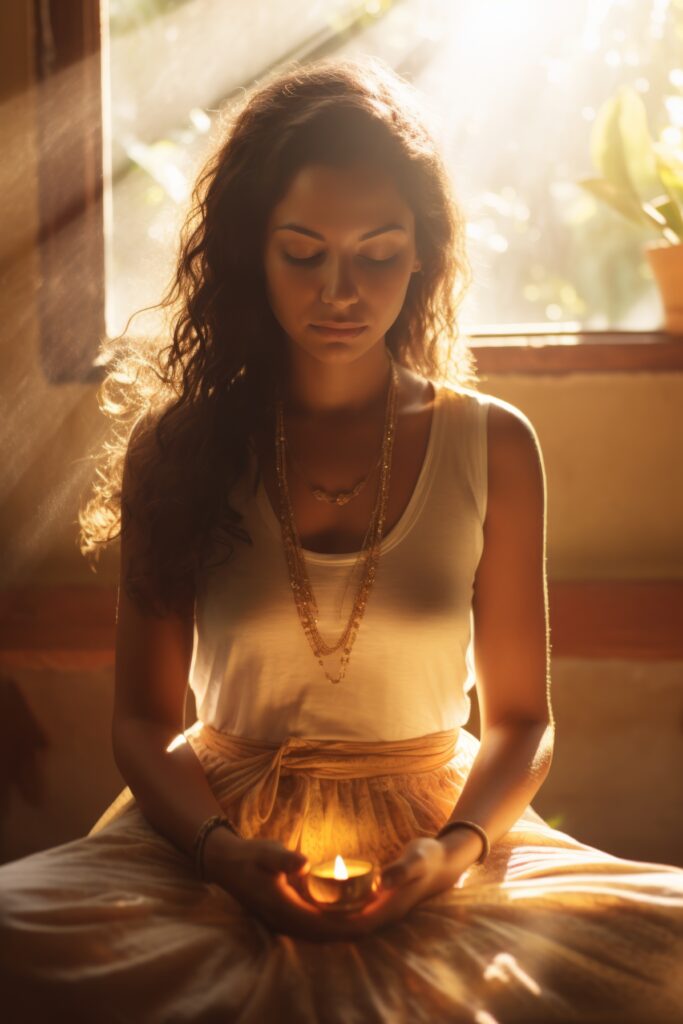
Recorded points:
473,825
215,821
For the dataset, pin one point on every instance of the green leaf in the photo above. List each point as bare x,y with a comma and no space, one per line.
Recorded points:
621,145
671,216
637,144
606,149
670,169
626,203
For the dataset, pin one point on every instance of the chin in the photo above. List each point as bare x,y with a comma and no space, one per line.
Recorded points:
323,347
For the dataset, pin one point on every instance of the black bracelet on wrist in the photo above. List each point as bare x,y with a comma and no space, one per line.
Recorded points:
215,821
476,828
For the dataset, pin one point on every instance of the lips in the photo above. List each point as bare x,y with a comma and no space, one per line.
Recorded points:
339,325
338,332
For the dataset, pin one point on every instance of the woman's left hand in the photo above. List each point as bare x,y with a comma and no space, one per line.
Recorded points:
421,871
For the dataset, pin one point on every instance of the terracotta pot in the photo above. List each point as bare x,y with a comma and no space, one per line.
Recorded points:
667,266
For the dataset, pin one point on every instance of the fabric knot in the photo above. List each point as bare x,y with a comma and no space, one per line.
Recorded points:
255,766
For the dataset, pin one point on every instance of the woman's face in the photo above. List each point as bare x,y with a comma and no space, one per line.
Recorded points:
339,246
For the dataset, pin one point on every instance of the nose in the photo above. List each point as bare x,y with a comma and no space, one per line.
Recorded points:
339,286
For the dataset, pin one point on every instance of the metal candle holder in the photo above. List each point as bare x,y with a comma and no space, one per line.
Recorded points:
341,884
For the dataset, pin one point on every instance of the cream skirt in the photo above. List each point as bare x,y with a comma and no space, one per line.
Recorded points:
115,927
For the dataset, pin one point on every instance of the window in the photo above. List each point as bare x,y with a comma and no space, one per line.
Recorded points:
513,92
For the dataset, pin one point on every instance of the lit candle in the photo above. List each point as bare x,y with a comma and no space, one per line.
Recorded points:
342,884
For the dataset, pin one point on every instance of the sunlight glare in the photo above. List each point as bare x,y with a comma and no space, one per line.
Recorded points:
505,968
484,1017
177,741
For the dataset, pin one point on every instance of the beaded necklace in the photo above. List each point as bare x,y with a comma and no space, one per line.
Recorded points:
369,553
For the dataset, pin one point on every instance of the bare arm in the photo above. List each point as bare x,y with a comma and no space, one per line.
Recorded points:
152,664
169,785
511,641
153,657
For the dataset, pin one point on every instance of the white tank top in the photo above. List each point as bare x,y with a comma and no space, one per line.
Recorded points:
253,672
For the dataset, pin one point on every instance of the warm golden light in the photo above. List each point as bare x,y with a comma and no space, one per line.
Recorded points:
340,867
177,741
339,883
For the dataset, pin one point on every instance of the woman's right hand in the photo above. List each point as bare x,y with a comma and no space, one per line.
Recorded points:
264,876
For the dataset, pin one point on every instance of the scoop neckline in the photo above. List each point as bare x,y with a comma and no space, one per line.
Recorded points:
410,513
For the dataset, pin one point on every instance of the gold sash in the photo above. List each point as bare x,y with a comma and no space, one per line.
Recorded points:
254,767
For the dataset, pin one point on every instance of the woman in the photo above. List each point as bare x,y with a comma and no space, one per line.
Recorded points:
312,504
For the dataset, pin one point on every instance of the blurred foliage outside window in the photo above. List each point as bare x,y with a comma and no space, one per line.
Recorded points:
125,15
511,89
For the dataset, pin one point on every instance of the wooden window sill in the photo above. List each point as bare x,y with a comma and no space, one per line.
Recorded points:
544,353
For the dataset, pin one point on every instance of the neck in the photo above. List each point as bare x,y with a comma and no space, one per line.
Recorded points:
316,389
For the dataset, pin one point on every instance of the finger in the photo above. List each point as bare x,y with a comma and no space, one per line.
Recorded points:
300,912
285,914
273,858
409,868
284,907
317,922
384,911
418,858
312,923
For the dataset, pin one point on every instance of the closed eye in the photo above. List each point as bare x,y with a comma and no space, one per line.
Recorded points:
314,260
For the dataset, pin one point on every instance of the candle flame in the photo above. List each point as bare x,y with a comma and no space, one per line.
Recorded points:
340,867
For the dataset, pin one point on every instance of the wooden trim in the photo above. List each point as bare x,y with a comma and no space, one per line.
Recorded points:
72,628
582,352
632,619
60,628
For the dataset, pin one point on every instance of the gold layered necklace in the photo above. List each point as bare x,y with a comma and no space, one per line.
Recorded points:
368,555
338,497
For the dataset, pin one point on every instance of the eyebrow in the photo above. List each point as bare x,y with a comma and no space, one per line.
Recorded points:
314,234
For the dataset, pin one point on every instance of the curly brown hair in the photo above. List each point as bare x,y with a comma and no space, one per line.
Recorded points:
184,413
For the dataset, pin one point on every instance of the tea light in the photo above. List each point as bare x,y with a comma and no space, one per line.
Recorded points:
341,884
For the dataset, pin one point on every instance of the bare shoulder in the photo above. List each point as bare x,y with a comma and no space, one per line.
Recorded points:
515,459
510,433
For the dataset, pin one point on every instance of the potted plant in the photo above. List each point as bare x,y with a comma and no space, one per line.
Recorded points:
643,180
